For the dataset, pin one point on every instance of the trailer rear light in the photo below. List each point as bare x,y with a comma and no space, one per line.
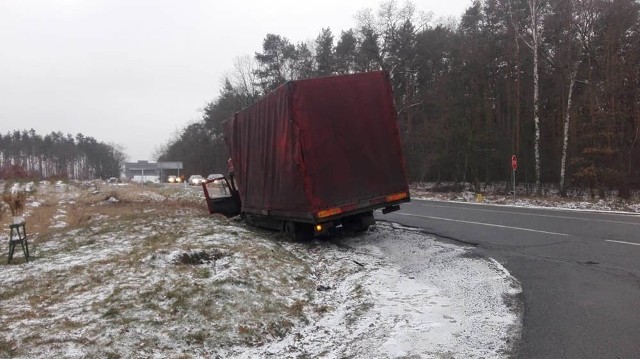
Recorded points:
329,212
396,197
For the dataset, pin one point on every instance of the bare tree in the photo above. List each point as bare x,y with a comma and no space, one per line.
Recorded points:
583,18
243,79
516,132
534,31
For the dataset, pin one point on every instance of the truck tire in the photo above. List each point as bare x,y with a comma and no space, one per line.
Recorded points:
249,219
358,223
300,232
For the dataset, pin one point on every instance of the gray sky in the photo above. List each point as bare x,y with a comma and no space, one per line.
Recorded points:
133,72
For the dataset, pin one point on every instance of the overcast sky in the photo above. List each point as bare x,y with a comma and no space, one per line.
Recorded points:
133,72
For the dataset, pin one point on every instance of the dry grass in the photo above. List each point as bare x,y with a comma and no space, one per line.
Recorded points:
7,349
40,219
131,204
297,308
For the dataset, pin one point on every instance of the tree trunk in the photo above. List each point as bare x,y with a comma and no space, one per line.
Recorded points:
567,118
536,119
517,146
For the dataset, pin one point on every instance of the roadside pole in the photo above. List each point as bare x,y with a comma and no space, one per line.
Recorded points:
514,166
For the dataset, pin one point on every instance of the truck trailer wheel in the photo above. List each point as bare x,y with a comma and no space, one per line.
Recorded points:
300,232
358,223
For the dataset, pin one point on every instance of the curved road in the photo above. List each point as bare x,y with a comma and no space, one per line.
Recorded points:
580,271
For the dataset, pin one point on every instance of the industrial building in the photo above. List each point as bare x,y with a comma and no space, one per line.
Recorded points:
152,170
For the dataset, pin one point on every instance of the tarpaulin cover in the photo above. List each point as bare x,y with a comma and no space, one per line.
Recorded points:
315,144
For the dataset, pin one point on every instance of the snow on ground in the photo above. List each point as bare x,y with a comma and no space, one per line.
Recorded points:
398,293
145,272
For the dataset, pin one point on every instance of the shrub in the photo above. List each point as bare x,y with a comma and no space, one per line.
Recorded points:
16,202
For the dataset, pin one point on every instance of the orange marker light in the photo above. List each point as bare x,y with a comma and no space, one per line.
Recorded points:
329,212
396,197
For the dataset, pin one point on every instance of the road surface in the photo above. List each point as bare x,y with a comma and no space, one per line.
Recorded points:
580,271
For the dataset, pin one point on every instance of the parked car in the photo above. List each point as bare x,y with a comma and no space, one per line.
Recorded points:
195,180
145,179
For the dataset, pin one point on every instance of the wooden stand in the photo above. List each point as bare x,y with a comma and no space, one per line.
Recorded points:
18,235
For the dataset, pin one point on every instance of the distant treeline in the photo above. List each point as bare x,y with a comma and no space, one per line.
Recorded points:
26,154
556,83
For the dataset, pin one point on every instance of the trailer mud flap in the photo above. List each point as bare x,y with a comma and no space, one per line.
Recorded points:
390,209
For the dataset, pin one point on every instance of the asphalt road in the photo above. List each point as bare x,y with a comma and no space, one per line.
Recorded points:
580,271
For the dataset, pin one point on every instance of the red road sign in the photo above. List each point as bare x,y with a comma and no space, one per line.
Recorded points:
514,162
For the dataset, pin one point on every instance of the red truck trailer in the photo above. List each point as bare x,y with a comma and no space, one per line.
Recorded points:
316,154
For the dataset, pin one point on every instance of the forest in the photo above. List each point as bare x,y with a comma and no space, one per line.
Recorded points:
26,154
556,83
